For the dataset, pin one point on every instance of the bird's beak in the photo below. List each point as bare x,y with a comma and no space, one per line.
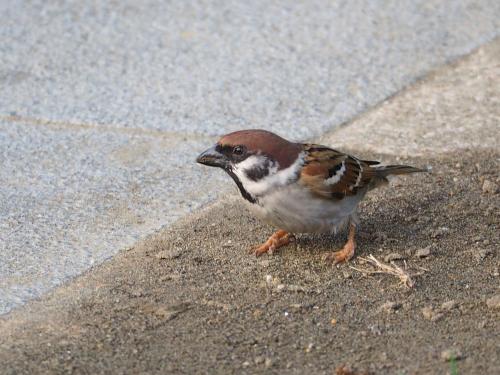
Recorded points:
212,158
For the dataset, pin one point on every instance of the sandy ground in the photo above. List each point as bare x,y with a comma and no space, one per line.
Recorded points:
191,300
104,103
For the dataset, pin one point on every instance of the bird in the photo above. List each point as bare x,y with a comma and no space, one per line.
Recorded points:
298,187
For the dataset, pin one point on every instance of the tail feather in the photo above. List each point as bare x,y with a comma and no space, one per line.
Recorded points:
386,170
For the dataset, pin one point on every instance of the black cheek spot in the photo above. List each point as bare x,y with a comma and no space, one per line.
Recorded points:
257,173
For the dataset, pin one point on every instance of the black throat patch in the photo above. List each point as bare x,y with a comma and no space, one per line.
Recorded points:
245,194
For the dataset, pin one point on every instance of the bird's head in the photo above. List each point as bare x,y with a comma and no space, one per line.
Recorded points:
256,159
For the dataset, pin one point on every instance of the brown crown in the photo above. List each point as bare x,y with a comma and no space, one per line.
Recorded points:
265,142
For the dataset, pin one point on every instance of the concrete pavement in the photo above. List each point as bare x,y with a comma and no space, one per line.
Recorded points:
103,106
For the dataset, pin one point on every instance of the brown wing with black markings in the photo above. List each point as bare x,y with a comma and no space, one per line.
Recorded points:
333,174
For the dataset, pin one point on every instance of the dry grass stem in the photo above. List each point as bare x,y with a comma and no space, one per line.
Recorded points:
390,269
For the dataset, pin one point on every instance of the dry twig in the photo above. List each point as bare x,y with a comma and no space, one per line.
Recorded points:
390,269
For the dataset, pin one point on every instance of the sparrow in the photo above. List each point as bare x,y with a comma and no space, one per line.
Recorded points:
298,187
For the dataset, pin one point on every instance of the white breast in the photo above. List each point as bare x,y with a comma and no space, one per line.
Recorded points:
295,209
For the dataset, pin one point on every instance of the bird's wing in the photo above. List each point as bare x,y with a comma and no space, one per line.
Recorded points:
332,174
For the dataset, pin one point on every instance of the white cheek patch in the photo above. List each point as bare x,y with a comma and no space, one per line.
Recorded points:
254,161
337,176
273,179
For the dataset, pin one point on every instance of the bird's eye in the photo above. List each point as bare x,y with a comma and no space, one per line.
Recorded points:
238,150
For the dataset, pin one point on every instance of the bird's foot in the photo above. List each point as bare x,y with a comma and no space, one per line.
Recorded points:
277,240
347,252
341,256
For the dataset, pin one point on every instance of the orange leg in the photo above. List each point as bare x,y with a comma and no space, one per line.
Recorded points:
347,252
278,239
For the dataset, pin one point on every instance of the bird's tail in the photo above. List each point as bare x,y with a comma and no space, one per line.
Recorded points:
386,170
382,172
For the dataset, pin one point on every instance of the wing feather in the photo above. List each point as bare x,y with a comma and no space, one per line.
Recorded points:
332,174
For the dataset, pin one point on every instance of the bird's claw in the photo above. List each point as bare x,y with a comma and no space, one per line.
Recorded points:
337,257
277,240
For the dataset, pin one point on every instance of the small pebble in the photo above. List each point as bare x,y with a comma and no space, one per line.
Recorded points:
494,302
449,305
437,316
169,254
430,314
376,329
489,187
172,276
280,287
407,305
265,262
439,232
423,253
427,312
390,307
482,254
269,280
295,288
450,354
268,362
309,347
246,364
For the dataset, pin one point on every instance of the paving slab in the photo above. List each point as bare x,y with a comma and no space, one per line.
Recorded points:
216,66
104,105
73,197
190,299
424,120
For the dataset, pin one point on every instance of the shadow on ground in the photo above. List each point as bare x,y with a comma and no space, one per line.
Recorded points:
191,300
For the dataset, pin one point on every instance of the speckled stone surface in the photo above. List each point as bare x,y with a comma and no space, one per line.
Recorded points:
70,198
425,119
215,66
104,105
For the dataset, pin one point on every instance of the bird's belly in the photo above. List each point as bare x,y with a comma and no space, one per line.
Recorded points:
295,209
